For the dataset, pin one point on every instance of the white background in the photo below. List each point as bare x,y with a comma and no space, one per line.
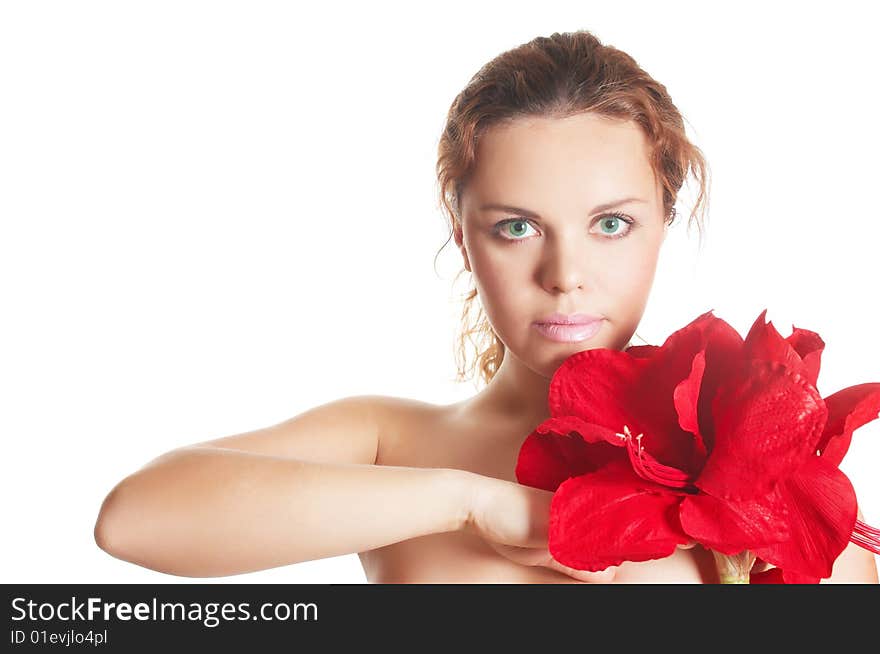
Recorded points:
216,215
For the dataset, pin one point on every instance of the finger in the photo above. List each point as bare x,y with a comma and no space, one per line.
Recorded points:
605,576
530,556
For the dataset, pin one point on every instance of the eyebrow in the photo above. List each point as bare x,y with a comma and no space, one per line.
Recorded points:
533,214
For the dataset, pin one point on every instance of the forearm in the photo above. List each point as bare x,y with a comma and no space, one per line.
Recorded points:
209,512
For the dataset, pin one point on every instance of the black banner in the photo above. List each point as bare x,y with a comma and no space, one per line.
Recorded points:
108,617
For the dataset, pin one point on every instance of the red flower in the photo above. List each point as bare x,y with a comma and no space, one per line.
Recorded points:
708,437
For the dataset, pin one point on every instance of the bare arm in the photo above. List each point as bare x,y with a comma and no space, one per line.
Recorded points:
301,490
209,512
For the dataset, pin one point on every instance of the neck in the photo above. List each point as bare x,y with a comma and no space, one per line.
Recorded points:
516,392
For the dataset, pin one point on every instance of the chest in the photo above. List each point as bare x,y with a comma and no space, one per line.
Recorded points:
441,441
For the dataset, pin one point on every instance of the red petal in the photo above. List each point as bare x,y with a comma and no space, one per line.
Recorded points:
599,386
723,351
729,526
635,388
696,333
547,460
780,576
572,388
792,577
771,576
612,516
809,346
686,398
592,433
821,514
642,351
801,351
848,409
613,389
767,422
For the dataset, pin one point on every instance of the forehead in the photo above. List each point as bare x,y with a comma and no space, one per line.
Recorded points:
585,153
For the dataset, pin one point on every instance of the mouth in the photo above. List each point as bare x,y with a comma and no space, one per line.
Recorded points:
557,318
568,332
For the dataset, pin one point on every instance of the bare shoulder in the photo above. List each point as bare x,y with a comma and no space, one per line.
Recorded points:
401,421
345,430
391,410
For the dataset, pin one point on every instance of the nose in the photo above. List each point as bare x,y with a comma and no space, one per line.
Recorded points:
564,265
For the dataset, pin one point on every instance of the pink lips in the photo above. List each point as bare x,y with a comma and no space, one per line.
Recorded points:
569,328
572,319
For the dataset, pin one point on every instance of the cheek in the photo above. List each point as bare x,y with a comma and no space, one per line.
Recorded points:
494,267
504,287
632,283
501,290
640,273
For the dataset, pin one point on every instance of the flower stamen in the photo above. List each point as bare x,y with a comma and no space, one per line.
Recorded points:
648,468
866,536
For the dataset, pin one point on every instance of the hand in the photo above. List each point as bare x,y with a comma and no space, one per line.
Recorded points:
513,519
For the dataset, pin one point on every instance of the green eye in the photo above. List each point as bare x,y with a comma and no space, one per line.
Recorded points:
610,223
517,227
612,226
513,229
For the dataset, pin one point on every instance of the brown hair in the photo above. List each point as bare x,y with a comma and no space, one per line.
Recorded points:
558,76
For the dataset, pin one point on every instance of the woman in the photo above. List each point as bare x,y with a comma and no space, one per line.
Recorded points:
559,168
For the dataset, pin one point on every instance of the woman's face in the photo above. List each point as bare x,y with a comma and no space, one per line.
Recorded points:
576,227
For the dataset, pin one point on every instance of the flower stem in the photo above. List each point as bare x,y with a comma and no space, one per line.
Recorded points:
734,568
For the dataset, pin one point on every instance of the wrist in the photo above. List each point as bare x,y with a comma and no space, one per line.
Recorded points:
461,489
